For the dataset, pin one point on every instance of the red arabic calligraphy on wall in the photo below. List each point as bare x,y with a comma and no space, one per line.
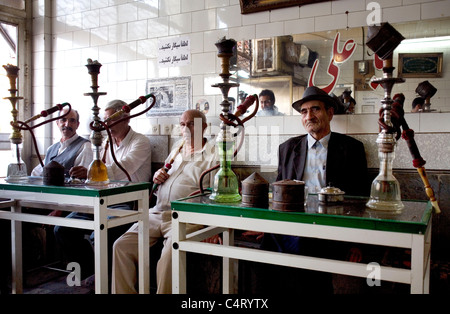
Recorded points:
339,56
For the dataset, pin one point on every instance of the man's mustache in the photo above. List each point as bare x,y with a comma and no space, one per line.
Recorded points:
68,128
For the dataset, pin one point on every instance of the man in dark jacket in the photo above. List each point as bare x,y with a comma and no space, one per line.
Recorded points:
319,158
322,157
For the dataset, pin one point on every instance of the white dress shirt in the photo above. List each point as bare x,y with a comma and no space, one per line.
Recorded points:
184,176
134,154
316,162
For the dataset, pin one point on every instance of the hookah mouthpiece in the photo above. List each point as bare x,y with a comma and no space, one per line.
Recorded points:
134,104
45,113
129,107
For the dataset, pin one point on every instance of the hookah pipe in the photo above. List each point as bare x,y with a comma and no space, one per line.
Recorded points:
15,138
241,109
106,126
44,113
398,114
167,167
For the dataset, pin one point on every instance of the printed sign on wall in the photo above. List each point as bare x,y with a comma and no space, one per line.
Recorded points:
174,52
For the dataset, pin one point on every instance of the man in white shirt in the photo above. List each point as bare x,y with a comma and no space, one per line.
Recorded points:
180,181
72,151
132,149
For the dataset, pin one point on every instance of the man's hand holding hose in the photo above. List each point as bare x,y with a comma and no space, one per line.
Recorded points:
160,176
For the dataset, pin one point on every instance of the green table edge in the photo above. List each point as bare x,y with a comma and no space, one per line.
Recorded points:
74,190
368,223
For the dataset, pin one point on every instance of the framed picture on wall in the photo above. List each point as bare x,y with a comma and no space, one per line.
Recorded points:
173,96
420,65
250,6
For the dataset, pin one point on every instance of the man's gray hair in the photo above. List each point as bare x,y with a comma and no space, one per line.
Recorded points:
115,104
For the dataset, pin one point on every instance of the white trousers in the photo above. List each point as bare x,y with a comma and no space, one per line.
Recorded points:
125,255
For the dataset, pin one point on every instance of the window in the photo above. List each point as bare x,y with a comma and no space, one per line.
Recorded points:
13,50
8,55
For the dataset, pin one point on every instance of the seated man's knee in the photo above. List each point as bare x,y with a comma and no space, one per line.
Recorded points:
126,244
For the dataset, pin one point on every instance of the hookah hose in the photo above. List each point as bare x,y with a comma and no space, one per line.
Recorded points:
108,131
44,113
418,162
105,126
167,167
241,109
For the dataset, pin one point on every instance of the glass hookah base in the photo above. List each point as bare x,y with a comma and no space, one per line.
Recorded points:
225,197
226,187
97,173
92,182
385,196
387,206
16,179
17,173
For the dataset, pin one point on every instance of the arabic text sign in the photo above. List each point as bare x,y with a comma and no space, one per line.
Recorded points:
174,52
338,57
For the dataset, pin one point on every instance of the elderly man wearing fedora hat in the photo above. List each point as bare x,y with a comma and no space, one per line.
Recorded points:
320,158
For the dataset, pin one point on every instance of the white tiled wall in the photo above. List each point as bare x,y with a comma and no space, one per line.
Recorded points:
123,36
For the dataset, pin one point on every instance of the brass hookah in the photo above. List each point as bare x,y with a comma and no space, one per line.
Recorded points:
97,172
226,187
17,170
385,190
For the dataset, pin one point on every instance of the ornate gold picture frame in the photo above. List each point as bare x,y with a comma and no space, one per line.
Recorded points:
250,6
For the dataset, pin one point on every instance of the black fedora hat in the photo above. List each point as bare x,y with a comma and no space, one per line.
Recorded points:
315,93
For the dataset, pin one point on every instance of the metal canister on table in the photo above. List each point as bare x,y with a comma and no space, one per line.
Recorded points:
288,195
255,191
331,195
53,174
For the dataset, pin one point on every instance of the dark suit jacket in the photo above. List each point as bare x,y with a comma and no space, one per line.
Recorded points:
346,166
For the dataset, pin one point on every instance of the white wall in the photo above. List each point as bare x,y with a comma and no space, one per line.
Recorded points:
123,36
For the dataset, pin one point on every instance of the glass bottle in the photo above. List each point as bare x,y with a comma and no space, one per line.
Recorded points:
385,190
226,187
17,169
97,172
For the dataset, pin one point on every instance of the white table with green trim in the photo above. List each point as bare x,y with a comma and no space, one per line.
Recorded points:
80,198
349,222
